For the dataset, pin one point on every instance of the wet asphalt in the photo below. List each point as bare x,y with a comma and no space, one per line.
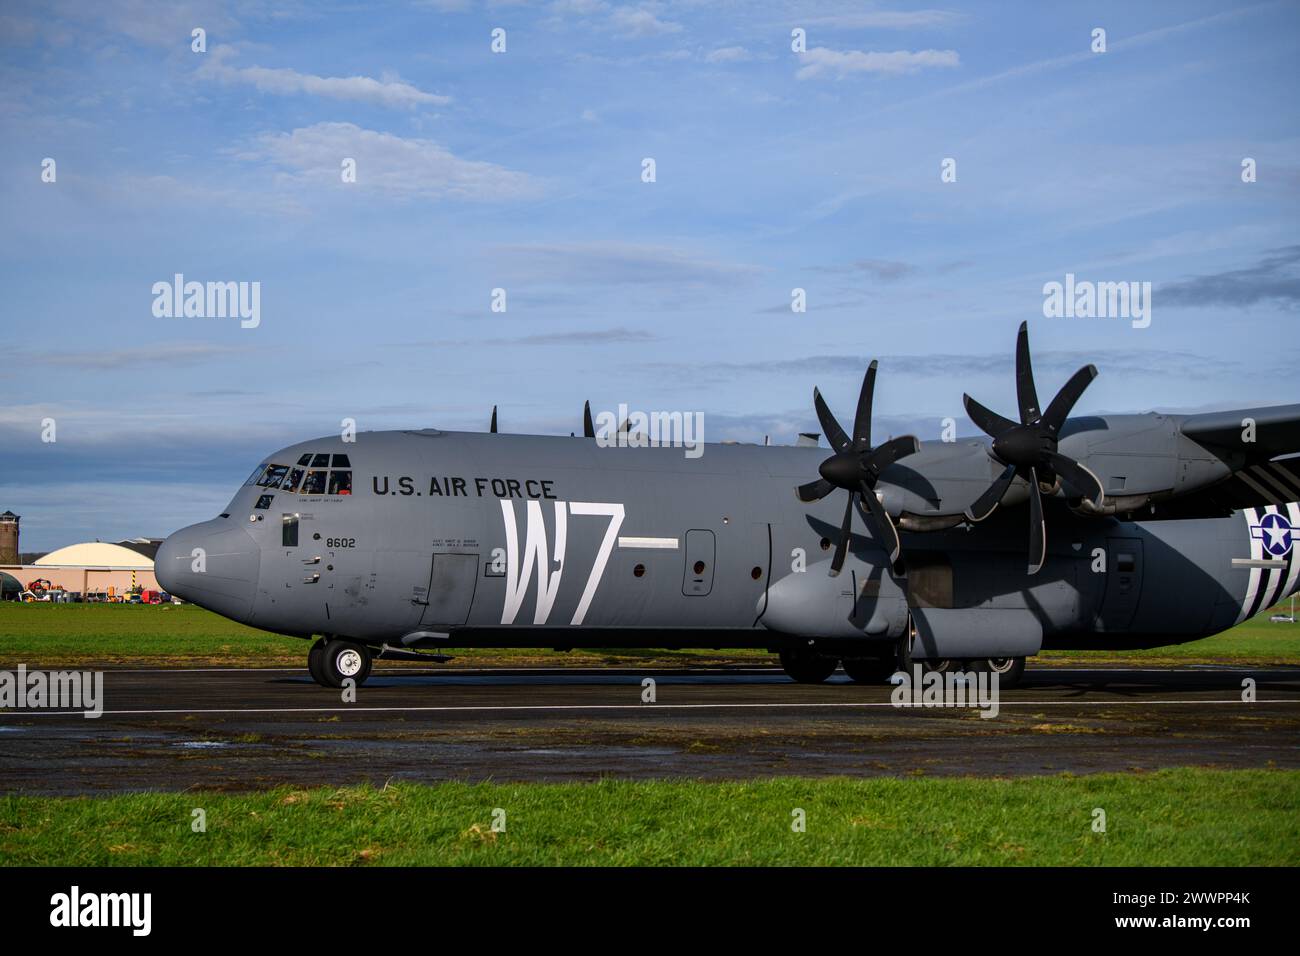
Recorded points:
246,729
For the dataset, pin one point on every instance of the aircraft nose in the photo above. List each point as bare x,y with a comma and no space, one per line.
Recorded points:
213,564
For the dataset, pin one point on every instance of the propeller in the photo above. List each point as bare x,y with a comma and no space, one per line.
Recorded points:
1028,448
856,468
588,427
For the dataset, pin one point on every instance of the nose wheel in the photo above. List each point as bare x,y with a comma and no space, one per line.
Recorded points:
331,662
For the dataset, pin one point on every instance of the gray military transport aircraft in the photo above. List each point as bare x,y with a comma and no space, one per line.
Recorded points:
1143,530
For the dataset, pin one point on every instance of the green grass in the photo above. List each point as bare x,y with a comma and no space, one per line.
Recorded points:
1171,818
1257,641
51,635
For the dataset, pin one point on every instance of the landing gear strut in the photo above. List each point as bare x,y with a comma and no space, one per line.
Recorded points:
1009,669
330,662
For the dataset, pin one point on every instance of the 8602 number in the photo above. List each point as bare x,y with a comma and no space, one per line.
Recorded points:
340,542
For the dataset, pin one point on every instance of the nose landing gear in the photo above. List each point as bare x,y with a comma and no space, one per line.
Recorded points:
332,661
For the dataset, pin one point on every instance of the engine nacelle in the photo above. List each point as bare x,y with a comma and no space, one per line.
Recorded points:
863,601
974,634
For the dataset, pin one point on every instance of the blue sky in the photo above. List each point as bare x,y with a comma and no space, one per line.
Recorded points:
522,171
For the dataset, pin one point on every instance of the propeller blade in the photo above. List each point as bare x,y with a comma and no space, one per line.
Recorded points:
830,427
814,490
493,427
984,505
862,420
892,450
1077,478
1025,391
1059,408
842,546
991,423
886,533
588,427
1037,526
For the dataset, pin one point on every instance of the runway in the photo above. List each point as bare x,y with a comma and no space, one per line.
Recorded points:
241,729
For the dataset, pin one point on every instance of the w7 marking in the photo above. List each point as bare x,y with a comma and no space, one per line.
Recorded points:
535,554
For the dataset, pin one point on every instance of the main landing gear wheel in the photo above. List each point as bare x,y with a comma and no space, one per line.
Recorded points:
807,667
341,659
869,670
315,659
1009,669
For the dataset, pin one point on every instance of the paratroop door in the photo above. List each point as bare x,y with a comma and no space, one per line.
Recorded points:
1123,582
697,579
451,590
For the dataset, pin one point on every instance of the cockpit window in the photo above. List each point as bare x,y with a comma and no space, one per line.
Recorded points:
340,482
341,461
321,461
257,473
314,483
291,483
273,476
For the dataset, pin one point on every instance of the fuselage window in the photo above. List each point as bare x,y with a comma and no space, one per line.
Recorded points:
273,476
341,461
314,484
291,483
257,473
340,482
305,460
321,461
289,531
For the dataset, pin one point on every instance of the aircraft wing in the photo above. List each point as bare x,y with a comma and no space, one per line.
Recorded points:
1261,443
1276,431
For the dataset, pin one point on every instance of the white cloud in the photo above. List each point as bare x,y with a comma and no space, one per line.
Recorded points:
728,54
283,81
640,22
578,7
889,19
820,61
405,168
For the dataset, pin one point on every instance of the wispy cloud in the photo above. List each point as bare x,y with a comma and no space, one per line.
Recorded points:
391,93
615,336
621,263
1275,278
889,19
1047,364
403,168
885,270
728,54
820,61
172,354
